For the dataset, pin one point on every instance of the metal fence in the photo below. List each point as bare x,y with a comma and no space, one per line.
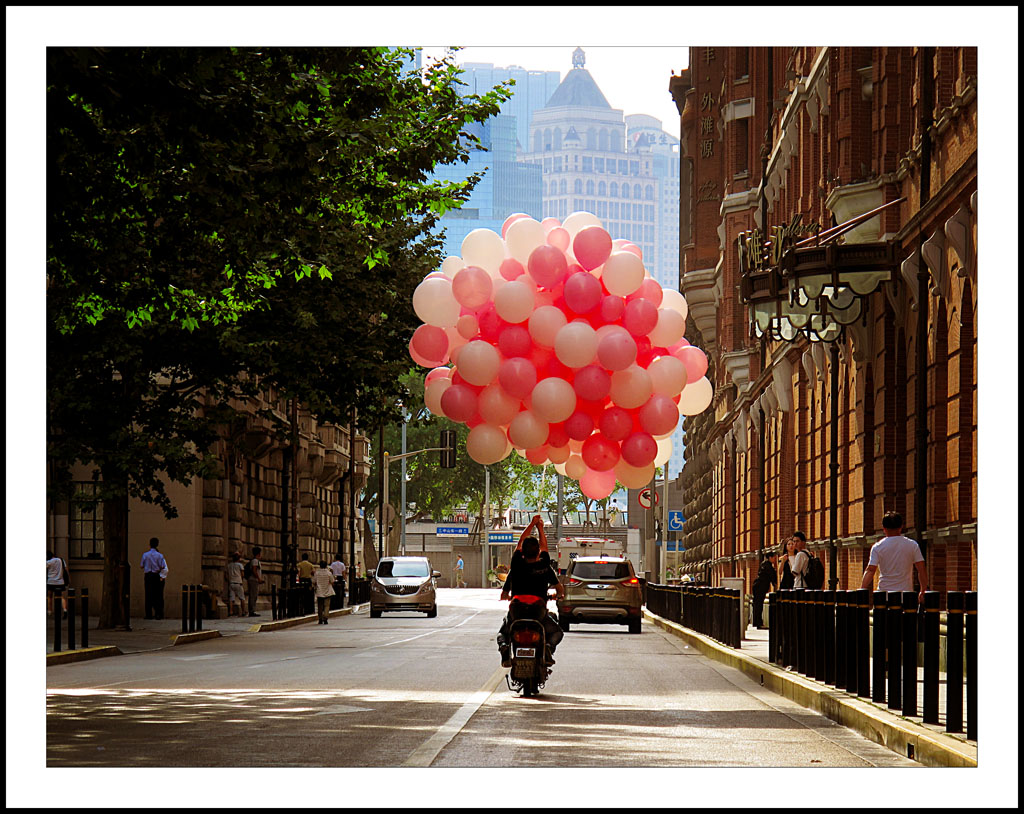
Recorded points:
714,612
77,620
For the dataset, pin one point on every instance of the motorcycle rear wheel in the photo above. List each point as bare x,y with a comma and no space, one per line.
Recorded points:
530,687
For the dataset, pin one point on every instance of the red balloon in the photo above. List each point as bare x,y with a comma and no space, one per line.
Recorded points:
475,421
599,453
616,350
659,415
591,383
538,455
430,342
517,377
644,351
459,402
612,308
547,266
616,424
640,316
650,289
695,360
592,246
582,292
578,426
557,436
552,368
514,341
594,409
637,450
511,269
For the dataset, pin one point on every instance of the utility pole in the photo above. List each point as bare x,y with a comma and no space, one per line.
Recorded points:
403,486
486,550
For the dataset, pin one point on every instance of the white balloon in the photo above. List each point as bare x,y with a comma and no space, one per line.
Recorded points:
485,249
696,397
670,298
579,220
669,330
522,237
664,452
452,266
435,304
623,273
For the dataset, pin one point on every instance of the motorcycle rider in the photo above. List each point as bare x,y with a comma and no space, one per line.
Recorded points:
531,574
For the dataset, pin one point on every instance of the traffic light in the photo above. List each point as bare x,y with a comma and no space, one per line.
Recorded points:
447,449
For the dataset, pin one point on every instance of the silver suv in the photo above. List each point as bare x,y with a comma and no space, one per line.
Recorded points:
601,590
403,584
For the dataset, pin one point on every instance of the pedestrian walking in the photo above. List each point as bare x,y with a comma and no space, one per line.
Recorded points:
253,572
154,573
306,569
236,589
766,579
56,582
895,558
339,570
323,589
459,566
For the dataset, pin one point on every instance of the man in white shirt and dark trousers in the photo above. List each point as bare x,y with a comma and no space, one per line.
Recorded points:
338,569
153,564
895,557
800,561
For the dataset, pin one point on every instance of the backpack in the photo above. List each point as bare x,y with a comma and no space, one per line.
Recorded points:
814,576
247,570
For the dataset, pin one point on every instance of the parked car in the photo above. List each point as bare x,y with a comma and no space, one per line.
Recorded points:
601,590
403,584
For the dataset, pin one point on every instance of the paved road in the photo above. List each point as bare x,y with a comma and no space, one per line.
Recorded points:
405,690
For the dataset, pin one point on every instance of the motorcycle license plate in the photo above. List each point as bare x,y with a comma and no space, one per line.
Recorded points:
526,652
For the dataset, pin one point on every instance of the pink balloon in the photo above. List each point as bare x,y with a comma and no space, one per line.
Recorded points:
695,360
472,286
616,350
559,238
612,308
517,377
511,269
591,246
432,395
430,342
527,430
496,406
592,383
468,326
574,466
479,362
615,424
510,220
638,449
423,361
599,453
489,323
650,289
550,223
640,316
582,292
547,266
632,247
487,444
659,415
597,485
459,402
514,340
553,399
579,426
437,373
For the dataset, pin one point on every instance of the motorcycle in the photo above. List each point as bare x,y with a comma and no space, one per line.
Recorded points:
529,668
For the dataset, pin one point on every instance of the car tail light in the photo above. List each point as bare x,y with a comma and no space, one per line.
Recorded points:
526,637
574,581
632,581
601,562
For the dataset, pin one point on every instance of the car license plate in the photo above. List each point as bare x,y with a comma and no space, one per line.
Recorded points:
526,652
600,587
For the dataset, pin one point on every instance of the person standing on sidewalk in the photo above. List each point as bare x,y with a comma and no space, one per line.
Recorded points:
323,589
236,588
305,570
338,569
895,557
154,568
800,561
766,579
56,582
459,566
254,578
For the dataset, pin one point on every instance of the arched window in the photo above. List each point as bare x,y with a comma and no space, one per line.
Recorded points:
591,139
637,192
614,190
558,138
538,141
602,140
577,187
554,187
563,188
602,188
649,192
590,187
616,141
547,139
625,191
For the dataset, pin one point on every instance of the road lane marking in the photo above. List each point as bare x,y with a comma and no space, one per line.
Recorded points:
341,709
425,754
428,633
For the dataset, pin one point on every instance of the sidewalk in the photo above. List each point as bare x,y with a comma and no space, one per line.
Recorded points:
910,736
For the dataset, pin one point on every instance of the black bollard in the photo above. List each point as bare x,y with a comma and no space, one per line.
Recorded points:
773,621
894,648
851,642
201,596
878,614
85,617
955,661
930,704
273,602
191,608
841,639
739,624
71,618
910,653
792,630
184,608
829,625
971,642
863,642
804,642
57,611
819,635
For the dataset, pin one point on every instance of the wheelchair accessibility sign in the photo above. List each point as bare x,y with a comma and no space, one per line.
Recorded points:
675,521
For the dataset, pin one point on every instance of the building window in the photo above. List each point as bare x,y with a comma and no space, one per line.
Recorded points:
637,192
614,191
558,163
602,188
577,186
625,191
85,532
649,192
590,185
634,167
623,168
588,164
599,165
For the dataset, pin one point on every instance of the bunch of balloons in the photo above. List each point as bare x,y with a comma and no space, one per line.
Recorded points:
561,347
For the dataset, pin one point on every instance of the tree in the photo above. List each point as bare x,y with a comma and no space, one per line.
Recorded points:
224,219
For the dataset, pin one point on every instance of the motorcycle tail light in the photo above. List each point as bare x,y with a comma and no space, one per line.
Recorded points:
526,637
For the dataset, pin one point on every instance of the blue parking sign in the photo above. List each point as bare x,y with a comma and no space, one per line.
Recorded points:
675,521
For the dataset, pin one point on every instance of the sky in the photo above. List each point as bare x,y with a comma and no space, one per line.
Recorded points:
634,79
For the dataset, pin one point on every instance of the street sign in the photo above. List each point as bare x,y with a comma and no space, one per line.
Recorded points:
500,537
452,531
644,498
675,521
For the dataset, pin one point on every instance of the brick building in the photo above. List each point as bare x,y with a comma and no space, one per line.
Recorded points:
818,136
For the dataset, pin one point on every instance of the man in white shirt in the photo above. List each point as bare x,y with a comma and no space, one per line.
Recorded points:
800,561
895,557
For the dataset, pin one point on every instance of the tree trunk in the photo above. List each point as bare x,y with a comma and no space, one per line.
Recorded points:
116,573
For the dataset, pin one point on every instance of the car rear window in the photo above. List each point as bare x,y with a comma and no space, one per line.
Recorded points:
390,568
600,570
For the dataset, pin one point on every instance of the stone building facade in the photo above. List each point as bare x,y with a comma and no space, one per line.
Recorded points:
818,136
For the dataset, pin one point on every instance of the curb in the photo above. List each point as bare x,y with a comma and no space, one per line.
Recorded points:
85,654
281,624
197,636
901,736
